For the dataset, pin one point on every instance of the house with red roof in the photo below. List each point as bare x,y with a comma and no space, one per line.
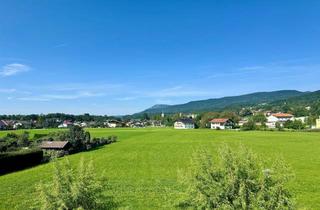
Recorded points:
280,118
221,123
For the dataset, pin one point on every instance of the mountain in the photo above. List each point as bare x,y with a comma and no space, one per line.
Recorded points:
220,104
305,99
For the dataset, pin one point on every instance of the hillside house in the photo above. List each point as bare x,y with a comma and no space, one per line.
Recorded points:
280,118
186,123
221,123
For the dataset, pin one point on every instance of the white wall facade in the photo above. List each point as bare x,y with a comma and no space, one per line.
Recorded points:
181,125
218,126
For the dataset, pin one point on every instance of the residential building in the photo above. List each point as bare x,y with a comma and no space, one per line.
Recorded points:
221,123
65,124
113,124
3,125
280,118
302,119
186,123
242,122
318,123
17,125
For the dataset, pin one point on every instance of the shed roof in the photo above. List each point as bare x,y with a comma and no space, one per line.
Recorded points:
53,144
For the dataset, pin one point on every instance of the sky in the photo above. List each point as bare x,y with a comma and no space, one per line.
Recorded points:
119,57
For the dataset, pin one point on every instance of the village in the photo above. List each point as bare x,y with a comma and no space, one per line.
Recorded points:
266,120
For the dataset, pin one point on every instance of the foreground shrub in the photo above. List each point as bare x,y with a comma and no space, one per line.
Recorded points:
238,180
72,189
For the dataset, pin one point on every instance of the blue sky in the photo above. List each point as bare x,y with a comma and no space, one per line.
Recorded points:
120,57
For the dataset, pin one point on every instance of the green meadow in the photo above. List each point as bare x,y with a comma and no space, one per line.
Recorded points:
142,167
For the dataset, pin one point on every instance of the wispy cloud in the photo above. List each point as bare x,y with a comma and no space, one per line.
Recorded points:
13,69
127,98
178,91
4,90
50,97
251,68
60,45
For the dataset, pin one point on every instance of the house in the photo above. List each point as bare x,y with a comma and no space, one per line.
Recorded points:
280,118
81,124
302,119
318,123
17,125
55,145
65,124
221,123
186,123
113,124
3,125
243,121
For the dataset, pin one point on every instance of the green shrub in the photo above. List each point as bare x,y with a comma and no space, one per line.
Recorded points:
72,189
237,181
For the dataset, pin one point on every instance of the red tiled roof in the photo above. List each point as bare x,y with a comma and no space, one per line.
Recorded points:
282,115
219,120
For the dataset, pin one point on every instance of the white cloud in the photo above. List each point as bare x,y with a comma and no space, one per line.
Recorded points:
13,69
127,98
249,68
178,91
5,90
50,97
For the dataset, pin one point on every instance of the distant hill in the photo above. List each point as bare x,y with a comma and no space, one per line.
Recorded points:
220,104
307,98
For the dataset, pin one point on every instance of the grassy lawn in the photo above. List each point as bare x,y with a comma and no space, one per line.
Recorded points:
142,167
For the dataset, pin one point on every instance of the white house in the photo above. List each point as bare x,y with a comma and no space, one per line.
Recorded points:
221,123
184,124
302,119
318,123
280,118
65,124
17,125
113,123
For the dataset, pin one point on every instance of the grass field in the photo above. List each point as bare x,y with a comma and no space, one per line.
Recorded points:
142,167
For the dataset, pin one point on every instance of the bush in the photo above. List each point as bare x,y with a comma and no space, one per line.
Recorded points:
72,189
13,161
237,181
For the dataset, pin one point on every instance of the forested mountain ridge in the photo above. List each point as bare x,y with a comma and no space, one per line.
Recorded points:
220,104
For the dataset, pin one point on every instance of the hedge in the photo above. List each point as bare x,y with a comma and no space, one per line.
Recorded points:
14,161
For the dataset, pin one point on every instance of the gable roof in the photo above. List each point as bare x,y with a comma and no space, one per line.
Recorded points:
53,144
282,115
3,123
219,120
186,121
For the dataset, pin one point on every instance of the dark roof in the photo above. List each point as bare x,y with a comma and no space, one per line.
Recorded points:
186,121
53,144
3,123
